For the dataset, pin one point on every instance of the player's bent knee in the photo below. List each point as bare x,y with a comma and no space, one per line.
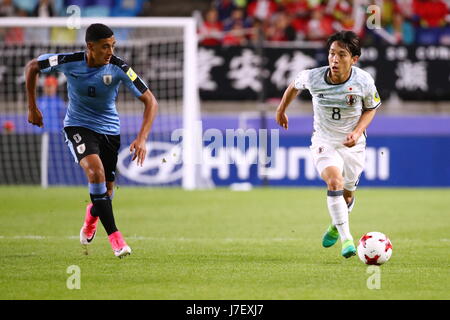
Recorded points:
95,175
335,183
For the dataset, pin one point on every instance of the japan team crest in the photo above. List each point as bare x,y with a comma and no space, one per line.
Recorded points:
350,99
107,79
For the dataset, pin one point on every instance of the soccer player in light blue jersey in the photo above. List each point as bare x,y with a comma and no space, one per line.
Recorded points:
345,100
91,125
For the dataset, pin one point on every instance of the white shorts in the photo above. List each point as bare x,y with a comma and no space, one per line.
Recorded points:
349,160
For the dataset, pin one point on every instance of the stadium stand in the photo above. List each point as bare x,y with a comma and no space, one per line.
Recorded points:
234,22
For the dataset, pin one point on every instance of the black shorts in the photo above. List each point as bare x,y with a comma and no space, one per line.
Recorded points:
83,142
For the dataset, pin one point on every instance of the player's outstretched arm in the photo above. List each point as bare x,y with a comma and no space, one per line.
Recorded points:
138,146
366,118
289,95
31,76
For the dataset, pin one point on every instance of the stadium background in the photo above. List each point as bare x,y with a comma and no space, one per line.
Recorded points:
248,53
221,244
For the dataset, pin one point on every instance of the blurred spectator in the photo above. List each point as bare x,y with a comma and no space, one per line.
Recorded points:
210,33
7,8
127,8
431,17
237,16
44,9
240,3
14,35
26,5
431,13
8,126
281,28
342,13
300,12
405,7
402,29
146,9
60,35
256,33
392,19
295,7
316,20
236,36
389,10
52,106
80,3
224,8
409,21
261,9
320,26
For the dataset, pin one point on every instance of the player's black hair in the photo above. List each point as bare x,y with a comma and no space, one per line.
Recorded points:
98,31
349,39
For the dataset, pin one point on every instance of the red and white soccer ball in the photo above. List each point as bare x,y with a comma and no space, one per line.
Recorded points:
374,248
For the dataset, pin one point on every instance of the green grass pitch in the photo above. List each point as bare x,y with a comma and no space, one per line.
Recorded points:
220,244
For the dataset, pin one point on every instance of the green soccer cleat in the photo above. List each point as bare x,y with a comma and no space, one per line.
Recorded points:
330,237
348,249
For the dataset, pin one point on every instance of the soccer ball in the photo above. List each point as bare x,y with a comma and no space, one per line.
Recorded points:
374,248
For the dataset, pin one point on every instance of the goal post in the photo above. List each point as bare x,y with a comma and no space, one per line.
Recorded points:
162,51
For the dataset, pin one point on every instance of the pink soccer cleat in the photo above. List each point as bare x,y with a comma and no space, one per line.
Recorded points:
89,228
118,244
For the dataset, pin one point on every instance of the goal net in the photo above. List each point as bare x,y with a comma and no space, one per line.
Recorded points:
162,51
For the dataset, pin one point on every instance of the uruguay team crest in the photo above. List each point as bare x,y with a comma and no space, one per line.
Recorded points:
107,79
350,99
81,148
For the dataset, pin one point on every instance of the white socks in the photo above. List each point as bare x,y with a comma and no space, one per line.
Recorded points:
337,207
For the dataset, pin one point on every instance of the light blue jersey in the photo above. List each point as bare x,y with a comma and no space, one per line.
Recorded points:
92,91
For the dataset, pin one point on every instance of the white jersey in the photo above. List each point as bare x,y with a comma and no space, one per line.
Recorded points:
338,107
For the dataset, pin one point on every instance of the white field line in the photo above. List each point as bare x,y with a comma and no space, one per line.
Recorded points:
142,238
181,239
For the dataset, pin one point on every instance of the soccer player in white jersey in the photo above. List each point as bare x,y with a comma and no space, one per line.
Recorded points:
345,100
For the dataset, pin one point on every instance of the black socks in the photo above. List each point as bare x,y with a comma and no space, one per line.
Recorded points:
102,207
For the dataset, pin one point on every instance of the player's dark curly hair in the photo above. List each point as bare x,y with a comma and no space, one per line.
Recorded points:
349,39
98,31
